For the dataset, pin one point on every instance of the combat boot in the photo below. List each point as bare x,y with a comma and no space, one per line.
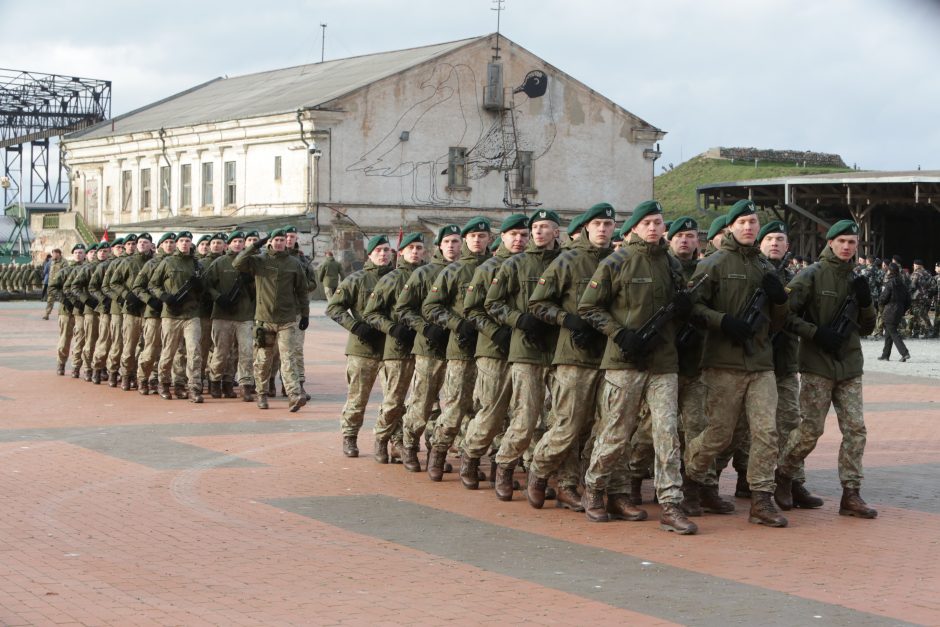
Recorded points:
535,490
215,389
179,390
76,372
96,377
673,519
126,383
469,472
144,388
113,380
132,381
712,502
503,487
294,403
763,511
436,459
60,370
394,452
783,494
304,392
593,503
742,489
410,459
262,401
803,498
853,505
248,393
272,387
380,453
691,503
349,441
195,395
636,491
493,466
228,389
165,392
620,507
567,497
86,376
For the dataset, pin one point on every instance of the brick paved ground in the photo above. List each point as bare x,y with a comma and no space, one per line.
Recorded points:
118,509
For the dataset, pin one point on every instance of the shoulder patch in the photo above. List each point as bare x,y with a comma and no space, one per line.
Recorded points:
541,281
494,281
593,284
434,288
469,288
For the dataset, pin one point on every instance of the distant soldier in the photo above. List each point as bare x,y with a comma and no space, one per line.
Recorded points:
79,285
716,233
920,301
116,295
152,317
56,263
121,282
66,306
329,274
297,339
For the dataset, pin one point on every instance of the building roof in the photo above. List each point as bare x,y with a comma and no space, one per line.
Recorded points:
214,224
836,178
268,93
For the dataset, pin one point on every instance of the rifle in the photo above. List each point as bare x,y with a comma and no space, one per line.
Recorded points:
652,330
844,322
753,314
183,291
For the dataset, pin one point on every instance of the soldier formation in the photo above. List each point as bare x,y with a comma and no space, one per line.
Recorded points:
620,355
21,278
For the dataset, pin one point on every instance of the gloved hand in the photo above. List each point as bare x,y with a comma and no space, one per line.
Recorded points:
262,241
155,303
530,325
436,334
223,301
862,291
362,330
169,299
502,338
774,289
683,303
92,302
402,332
107,302
574,322
629,343
827,339
736,329
196,281
304,323
67,303
466,328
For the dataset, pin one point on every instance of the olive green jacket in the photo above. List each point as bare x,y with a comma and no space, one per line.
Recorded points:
57,287
108,287
786,344
330,273
77,287
221,277
280,284
816,294
305,263
475,297
557,294
627,288
121,281
141,284
507,299
408,304
170,276
96,286
690,353
349,301
379,312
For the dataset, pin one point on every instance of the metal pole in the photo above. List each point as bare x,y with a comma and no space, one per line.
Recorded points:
322,42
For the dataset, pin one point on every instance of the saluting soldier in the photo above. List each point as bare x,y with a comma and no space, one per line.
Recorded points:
121,283
152,317
67,321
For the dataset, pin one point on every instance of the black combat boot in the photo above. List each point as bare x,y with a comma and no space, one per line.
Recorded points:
763,511
783,494
195,395
350,449
113,380
126,383
853,505
469,472
294,403
712,502
144,388
673,519
76,372
165,392
593,503
248,393
691,502
803,498
215,389
228,389
742,489
262,401
179,390
60,370
96,377
636,491
503,487
304,392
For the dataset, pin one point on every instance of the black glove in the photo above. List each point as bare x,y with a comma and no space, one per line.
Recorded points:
121,300
195,282
304,323
362,330
466,328
502,338
262,241
530,325
66,302
736,329
862,291
223,301
155,303
629,343
827,339
169,299
683,303
92,302
107,302
774,289
436,334
402,332
574,322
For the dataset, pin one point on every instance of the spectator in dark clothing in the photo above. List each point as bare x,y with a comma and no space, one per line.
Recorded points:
895,300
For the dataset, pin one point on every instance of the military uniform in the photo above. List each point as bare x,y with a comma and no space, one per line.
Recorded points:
329,274
121,282
78,286
115,296
54,268
920,303
297,337
66,317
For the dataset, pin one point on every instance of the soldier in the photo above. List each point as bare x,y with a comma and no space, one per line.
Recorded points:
121,283
151,324
329,274
177,281
55,266
397,360
282,303
616,241
493,387
574,230
202,246
894,300
429,346
876,280
215,249
774,244
716,233
115,294
920,301
737,364
297,339
576,377
96,288
831,363
67,320
233,295
365,346
80,286
445,306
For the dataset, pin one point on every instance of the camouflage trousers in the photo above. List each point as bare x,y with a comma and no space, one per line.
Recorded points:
456,402
622,393
920,318
173,333
296,354
492,393
150,353
131,329
279,335
50,302
817,394
739,451
91,340
117,342
205,345
528,400
232,351
728,394
360,377
642,454
395,383
788,416
66,328
99,357
425,387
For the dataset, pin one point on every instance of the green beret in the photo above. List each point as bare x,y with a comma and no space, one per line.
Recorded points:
410,238
668,224
444,231
717,224
642,210
236,235
202,238
774,226
476,225
376,241
741,208
601,210
617,236
289,229
515,221
130,238
576,223
183,234
92,247
252,234
221,236
842,227
145,235
118,241
685,223
78,247
544,214
165,237
495,245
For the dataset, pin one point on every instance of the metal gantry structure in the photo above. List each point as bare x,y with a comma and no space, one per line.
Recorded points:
34,109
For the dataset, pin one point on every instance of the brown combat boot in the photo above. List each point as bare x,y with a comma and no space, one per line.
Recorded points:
228,389
349,441
126,383
504,486
144,388
436,459
674,519
113,380
86,376
763,511
567,497
691,503
535,490
410,459
262,401
380,453
593,503
248,393
636,491
304,392
195,395
76,372
803,498
96,377
294,403
620,507
470,472
60,370
165,392
133,381
711,502
742,489
215,389
853,505
783,494
179,390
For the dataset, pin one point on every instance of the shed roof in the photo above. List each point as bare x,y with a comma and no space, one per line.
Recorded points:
836,178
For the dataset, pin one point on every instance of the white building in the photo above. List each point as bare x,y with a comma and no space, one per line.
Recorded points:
408,138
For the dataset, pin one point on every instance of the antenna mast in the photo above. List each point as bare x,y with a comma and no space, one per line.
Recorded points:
499,8
322,41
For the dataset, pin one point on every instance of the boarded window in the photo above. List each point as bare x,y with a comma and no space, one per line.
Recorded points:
277,168
126,189
145,188
524,171
229,182
207,200
457,167
186,185
165,182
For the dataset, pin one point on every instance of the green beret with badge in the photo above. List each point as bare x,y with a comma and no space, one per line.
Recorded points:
145,235
410,238
220,236
515,221
544,214
685,223
743,207
375,242
252,234
774,226
78,247
602,210
290,228
130,237
717,225
445,231
203,238
643,210
118,241
842,227
236,235
476,225
166,236
576,223
182,234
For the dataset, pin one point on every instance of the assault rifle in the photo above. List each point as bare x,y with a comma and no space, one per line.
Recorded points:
845,322
187,287
652,330
753,314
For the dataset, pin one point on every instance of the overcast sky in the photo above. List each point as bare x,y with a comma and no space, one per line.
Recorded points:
855,77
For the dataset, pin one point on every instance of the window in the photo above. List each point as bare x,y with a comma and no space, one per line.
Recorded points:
229,182
145,188
186,185
277,168
524,171
126,185
457,168
207,185
165,183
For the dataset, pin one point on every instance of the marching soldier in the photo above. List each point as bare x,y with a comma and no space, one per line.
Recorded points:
121,283
116,293
55,265
329,274
67,320
79,285
920,301
152,317
98,287
297,339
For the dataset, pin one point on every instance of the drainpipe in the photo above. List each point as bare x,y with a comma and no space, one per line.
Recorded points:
162,134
